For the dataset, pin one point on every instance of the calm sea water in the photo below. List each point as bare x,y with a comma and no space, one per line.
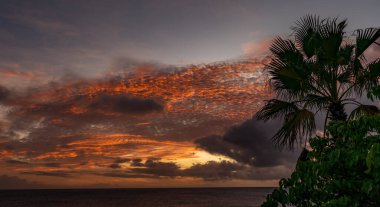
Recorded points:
176,197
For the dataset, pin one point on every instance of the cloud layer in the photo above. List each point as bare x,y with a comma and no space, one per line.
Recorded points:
143,121
249,143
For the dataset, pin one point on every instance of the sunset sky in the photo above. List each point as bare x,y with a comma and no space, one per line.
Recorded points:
145,93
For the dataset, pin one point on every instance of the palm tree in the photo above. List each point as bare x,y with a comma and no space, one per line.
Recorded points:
321,70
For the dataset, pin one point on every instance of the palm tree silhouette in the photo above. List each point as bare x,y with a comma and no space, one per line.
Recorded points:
321,70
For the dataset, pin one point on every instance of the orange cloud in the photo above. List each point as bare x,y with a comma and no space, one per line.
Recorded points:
85,126
6,73
257,48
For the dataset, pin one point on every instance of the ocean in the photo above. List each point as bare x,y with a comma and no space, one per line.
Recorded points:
156,197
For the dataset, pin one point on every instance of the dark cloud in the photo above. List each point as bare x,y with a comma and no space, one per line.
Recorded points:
210,171
217,145
57,173
124,174
249,143
122,160
20,162
137,163
14,182
53,164
114,166
4,93
16,162
116,163
226,170
152,167
125,104
92,106
215,170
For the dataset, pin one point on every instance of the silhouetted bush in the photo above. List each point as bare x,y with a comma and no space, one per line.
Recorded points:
344,172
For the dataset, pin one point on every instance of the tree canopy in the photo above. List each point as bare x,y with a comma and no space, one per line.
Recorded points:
345,172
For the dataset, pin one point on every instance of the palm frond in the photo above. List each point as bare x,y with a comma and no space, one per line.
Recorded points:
275,108
374,70
285,50
344,60
297,125
362,110
368,77
288,70
345,54
306,35
331,34
365,38
314,101
285,81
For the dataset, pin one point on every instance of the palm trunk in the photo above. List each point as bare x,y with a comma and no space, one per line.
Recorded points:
303,155
337,112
